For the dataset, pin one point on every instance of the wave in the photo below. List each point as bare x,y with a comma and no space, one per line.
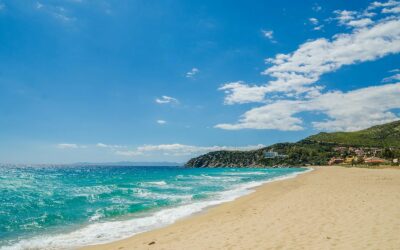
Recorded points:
205,177
97,215
245,173
147,194
155,183
104,232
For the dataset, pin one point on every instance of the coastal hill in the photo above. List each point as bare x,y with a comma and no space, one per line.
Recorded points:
379,141
386,135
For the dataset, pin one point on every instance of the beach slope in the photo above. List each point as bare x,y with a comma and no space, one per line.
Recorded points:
329,208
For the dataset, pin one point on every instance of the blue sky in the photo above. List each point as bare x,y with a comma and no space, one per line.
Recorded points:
150,80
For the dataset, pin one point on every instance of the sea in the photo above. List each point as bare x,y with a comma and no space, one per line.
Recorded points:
66,207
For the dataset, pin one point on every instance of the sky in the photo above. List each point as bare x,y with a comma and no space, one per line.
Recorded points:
104,81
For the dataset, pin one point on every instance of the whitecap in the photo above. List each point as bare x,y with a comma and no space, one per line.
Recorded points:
103,232
157,183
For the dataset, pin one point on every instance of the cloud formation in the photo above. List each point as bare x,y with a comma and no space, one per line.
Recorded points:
313,20
192,73
56,11
161,122
316,8
166,99
174,149
239,92
349,111
177,149
269,34
389,7
294,86
395,77
296,71
70,146
103,145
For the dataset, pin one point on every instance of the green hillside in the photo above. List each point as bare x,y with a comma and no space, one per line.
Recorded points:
295,154
314,150
386,135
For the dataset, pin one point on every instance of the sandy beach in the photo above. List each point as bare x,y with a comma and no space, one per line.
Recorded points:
329,208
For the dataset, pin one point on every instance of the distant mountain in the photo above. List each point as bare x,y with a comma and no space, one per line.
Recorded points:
386,135
226,158
99,164
288,154
314,150
130,163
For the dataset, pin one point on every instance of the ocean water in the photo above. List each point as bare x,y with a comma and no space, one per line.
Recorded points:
67,207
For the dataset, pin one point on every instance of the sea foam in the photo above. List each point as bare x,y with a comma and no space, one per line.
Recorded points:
104,232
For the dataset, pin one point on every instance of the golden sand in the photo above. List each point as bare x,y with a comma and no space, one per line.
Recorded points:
329,208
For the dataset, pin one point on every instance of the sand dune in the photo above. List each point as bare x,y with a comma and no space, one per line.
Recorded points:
329,208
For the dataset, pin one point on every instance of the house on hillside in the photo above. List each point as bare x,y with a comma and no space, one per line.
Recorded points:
271,154
359,152
335,160
377,151
374,160
349,160
340,149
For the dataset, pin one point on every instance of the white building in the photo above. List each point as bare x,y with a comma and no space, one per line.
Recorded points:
272,154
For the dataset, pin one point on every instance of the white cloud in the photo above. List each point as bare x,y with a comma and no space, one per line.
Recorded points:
98,145
277,115
345,16
239,92
358,109
69,146
319,27
395,77
177,149
359,23
294,86
356,19
161,122
166,99
192,73
376,4
58,12
269,34
103,145
39,5
316,8
129,153
391,10
313,21
349,111
296,71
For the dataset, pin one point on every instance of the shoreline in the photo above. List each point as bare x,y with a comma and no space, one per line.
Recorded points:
202,207
206,209
330,207
114,231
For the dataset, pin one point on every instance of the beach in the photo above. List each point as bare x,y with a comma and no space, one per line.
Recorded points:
328,208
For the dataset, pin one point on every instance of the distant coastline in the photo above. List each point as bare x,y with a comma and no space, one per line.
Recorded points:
111,164
378,145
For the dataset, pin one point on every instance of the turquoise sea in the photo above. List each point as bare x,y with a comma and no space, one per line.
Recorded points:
66,207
